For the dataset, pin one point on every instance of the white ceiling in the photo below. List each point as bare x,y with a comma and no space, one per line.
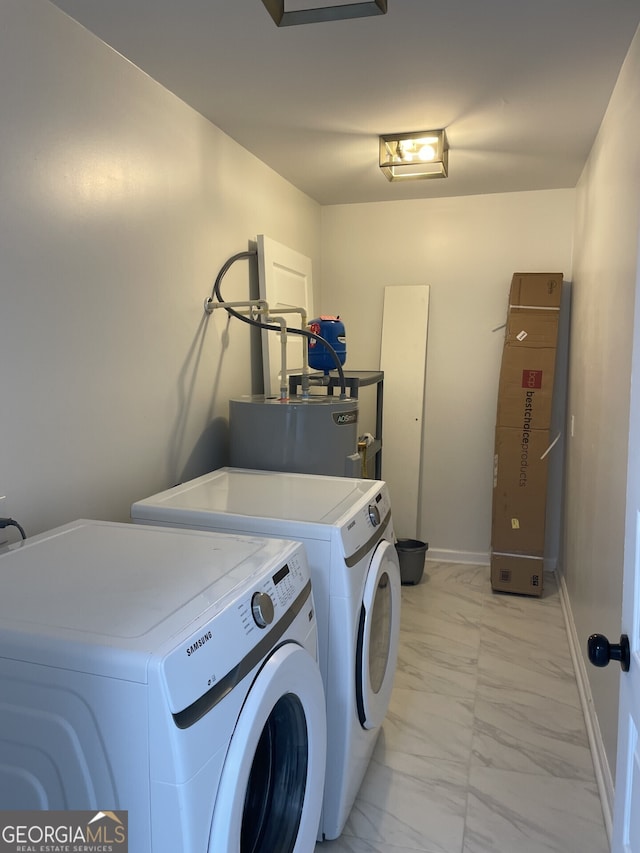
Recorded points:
520,85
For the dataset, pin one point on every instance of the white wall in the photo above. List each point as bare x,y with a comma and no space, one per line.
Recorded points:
605,270
466,249
119,204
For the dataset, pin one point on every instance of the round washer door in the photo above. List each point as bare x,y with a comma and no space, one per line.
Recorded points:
378,636
270,792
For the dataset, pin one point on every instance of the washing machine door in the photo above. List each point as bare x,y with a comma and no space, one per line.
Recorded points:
270,793
378,636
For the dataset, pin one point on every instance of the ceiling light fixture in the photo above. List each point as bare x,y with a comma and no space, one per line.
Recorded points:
412,156
300,12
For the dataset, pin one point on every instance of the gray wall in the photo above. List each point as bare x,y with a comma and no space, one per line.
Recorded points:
604,283
466,249
119,204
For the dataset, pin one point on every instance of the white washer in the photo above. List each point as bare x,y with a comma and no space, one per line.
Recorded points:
346,527
136,674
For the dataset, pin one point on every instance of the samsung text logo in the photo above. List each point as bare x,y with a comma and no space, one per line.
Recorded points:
198,643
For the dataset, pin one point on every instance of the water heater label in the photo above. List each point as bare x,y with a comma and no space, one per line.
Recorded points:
344,418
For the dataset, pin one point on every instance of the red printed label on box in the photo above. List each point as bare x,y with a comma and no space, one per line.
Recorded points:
532,379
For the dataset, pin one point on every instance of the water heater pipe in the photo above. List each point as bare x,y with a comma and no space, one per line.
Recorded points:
284,389
304,332
260,308
305,349
259,304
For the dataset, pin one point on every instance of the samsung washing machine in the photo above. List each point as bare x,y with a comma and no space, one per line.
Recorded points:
346,527
169,674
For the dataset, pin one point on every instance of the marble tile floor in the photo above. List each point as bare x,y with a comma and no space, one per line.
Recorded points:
484,749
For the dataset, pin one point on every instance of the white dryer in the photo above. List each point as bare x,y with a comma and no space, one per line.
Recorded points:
346,527
169,674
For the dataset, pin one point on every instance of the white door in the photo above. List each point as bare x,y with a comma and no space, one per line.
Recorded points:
378,636
285,281
626,819
270,792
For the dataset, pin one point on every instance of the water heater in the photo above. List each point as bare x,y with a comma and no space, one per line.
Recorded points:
317,435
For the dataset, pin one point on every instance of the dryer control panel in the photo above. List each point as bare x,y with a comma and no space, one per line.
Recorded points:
368,519
224,647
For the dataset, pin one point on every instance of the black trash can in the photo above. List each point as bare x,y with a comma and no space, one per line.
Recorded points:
411,555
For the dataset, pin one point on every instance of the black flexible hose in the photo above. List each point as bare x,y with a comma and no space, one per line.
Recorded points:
272,328
11,522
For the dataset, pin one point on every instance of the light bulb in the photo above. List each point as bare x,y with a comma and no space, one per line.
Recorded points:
427,153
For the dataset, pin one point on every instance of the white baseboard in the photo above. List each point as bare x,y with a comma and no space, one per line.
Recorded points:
475,558
600,763
471,558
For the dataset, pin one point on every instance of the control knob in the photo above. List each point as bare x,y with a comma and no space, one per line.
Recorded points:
262,609
374,515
